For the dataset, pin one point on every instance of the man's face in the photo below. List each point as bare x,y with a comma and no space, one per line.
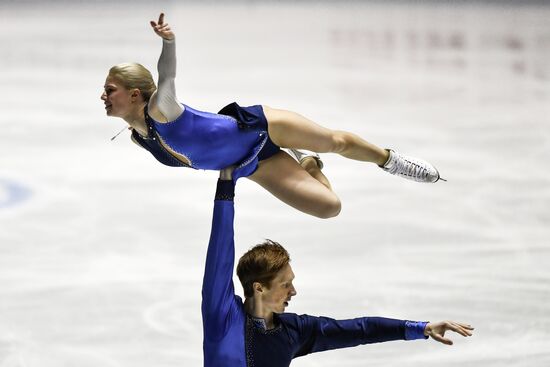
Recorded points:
277,296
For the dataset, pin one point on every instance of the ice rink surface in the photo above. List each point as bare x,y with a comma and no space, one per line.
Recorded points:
102,248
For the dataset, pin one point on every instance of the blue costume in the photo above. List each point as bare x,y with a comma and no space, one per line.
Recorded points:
235,136
232,338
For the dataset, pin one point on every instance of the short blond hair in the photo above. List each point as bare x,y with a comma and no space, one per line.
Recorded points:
133,75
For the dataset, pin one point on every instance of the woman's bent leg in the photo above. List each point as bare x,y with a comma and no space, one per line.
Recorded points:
311,167
291,183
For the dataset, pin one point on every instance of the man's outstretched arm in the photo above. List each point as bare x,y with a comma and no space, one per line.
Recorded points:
322,333
218,294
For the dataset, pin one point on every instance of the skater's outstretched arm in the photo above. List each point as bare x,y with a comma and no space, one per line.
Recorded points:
323,333
218,294
165,98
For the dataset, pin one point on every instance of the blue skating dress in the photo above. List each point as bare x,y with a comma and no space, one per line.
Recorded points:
234,136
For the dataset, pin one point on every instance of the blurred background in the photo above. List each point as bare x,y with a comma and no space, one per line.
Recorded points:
102,248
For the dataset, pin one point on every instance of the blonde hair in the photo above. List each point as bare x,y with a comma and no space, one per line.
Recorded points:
133,75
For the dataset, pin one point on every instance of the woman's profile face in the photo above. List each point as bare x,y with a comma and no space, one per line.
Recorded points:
116,97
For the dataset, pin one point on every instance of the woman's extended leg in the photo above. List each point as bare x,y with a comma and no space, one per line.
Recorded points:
300,187
290,130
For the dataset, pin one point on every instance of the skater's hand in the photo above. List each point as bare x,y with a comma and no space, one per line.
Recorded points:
226,174
437,330
163,29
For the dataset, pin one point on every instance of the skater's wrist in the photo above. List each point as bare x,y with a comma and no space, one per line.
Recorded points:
227,173
225,190
415,330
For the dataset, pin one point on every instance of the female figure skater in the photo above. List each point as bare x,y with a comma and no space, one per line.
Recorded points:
249,138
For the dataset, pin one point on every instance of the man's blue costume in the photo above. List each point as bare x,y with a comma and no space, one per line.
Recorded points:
232,338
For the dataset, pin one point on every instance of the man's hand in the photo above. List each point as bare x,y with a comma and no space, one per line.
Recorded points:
226,174
163,29
437,330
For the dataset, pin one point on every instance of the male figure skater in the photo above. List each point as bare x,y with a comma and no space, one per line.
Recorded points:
257,333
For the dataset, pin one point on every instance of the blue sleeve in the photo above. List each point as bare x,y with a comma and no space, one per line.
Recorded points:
323,333
218,295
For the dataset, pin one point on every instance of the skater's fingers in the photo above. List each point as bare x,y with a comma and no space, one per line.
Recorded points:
464,330
441,339
465,326
459,330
